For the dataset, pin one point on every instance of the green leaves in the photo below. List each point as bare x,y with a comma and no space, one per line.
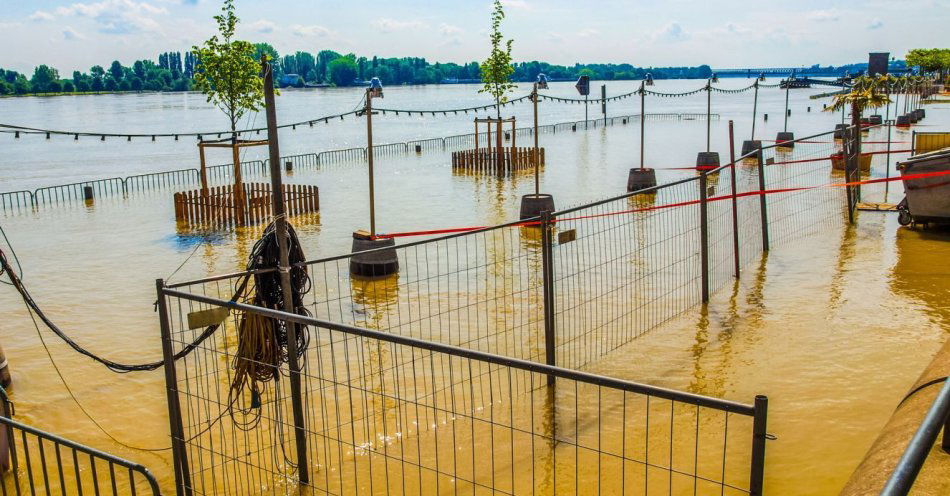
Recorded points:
226,71
496,70
866,92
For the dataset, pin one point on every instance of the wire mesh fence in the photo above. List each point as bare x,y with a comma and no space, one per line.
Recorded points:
35,462
385,414
559,291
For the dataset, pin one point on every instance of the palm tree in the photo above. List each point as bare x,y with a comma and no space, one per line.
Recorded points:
866,92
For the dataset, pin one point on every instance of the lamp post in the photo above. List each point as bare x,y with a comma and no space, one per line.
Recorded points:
785,138
641,178
708,159
533,204
752,144
377,261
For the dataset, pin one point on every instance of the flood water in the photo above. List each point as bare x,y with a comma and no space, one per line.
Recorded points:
833,327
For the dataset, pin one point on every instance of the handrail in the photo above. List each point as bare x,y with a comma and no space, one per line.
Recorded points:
550,370
910,463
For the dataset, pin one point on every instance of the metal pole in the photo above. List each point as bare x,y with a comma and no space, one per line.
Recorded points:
283,269
759,436
603,105
763,204
537,154
368,110
916,453
755,107
788,85
704,235
585,110
179,452
735,209
887,121
643,118
547,278
708,112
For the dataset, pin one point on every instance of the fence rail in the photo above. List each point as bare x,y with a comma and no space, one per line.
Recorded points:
19,201
35,462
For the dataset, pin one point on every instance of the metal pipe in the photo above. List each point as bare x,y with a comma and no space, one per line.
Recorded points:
905,473
547,268
179,452
763,203
788,86
759,436
735,209
537,155
704,235
642,118
283,268
368,110
708,112
755,108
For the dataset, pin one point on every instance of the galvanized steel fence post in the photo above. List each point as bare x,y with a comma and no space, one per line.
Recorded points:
763,204
759,436
704,234
547,281
735,201
179,453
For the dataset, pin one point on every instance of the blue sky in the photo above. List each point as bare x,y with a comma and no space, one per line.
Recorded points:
723,33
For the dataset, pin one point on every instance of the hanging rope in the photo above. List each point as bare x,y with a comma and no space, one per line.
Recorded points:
451,111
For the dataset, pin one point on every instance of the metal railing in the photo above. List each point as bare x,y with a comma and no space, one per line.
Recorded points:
918,449
19,201
35,462
389,414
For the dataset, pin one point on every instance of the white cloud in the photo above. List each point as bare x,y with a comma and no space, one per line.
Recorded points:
387,25
588,33
517,4
826,15
449,30
41,15
312,30
114,16
71,34
671,32
876,24
262,26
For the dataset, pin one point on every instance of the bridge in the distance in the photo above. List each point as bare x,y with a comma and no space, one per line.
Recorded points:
750,72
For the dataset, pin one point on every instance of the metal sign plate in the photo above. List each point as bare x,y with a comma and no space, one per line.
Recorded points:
583,85
205,318
566,236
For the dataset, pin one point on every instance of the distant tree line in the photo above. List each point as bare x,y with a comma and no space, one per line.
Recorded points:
174,71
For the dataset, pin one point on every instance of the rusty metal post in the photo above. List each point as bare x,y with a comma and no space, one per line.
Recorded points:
179,451
283,268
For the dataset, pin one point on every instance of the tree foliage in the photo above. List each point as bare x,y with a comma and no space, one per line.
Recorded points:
866,92
227,72
930,59
496,70
343,70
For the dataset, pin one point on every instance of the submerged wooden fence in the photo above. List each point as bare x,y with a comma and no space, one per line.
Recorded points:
218,206
510,160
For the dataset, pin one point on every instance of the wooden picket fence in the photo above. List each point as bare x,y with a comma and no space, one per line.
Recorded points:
487,160
218,206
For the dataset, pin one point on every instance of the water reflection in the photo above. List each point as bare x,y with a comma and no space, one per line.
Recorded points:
921,272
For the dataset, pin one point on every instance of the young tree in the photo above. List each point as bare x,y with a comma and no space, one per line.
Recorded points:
227,72
43,76
496,69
